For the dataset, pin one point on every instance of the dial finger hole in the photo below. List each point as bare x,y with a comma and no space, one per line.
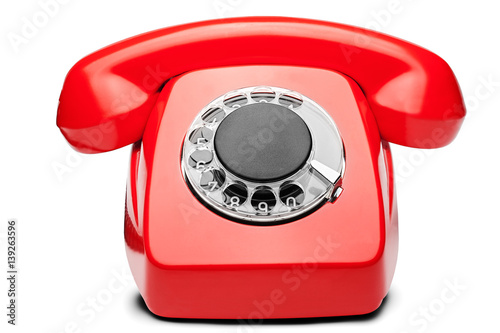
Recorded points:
263,94
200,158
291,195
212,180
235,195
235,100
263,200
213,115
201,135
291,100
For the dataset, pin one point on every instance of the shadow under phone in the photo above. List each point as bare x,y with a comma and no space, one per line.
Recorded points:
141,305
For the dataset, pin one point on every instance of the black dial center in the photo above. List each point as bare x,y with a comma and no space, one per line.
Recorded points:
263,142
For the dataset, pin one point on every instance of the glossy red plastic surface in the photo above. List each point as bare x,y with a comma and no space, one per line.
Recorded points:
190,263
107,96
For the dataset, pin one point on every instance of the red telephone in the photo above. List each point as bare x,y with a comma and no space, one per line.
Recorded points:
261,181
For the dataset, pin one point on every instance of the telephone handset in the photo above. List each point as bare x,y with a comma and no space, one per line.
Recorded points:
260,148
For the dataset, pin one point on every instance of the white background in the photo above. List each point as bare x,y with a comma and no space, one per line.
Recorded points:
71,227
